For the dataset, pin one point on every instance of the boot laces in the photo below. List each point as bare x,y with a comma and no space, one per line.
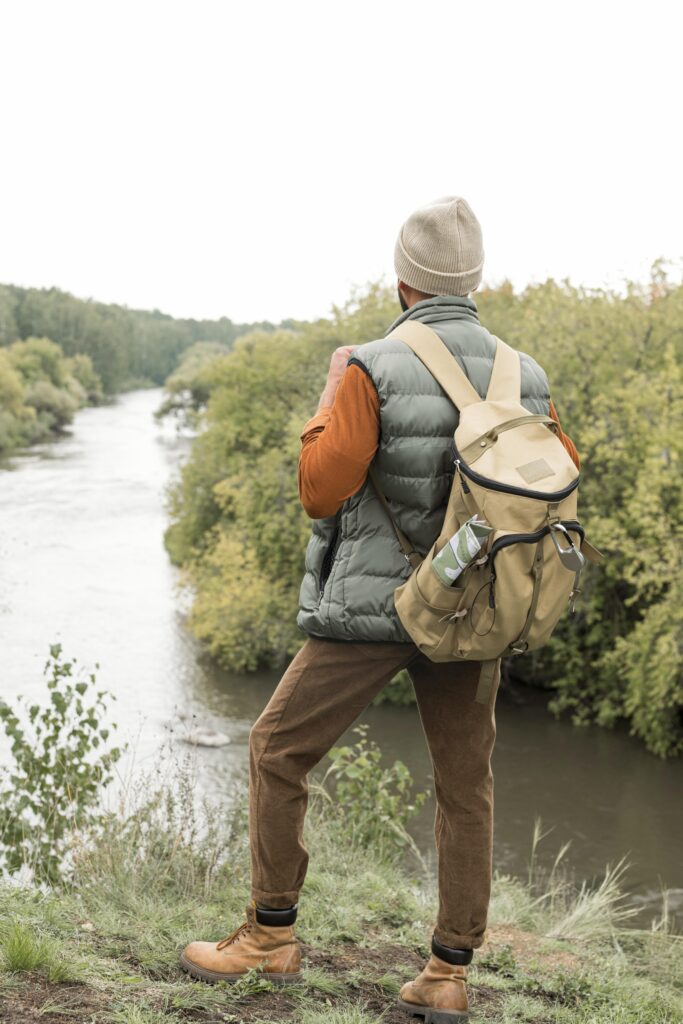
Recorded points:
234,936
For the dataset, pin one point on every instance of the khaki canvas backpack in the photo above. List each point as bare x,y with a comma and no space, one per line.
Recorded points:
512,471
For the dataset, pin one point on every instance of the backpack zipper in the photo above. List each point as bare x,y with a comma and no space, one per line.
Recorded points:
524,538
493,485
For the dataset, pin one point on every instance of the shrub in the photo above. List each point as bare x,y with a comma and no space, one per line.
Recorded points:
54,405
375,802
54,785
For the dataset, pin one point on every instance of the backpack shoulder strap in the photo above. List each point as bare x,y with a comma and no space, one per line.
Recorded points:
430,349
506,375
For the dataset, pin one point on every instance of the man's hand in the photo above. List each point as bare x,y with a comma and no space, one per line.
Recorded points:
335,373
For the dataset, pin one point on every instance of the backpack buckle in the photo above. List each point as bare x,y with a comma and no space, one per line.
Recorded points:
520,647
553,514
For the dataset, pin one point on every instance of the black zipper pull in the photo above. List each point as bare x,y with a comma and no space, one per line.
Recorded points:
462,477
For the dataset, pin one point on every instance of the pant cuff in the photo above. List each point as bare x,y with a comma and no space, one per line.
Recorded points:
276,900
457,941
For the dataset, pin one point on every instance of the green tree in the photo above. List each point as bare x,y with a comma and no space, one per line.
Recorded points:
39,359
41,389
81,368
11,386
8,326
188,388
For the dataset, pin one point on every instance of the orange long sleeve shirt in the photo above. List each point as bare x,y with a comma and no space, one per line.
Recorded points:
339,442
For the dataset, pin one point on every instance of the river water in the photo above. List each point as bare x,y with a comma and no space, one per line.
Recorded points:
82,563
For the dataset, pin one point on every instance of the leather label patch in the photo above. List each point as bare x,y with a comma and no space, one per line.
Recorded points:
536,470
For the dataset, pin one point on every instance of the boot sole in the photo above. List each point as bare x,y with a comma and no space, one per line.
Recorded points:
432,1016
203,974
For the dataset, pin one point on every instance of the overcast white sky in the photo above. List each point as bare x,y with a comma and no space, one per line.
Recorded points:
256,159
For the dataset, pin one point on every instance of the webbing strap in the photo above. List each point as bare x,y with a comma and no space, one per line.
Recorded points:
411,556
506,376
430,349
475,449
520,644
487,676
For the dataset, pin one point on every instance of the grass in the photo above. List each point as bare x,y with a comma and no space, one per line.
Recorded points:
22,950
104,949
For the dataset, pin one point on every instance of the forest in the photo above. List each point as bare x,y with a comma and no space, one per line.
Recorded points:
58,352
614,364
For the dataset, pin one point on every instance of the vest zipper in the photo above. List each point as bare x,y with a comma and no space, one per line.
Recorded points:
493,485
328,559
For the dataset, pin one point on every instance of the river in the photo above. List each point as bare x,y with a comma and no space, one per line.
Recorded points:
82,563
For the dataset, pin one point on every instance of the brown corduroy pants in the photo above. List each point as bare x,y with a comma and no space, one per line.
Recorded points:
324,689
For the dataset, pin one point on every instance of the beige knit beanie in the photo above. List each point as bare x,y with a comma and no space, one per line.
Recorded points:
439,249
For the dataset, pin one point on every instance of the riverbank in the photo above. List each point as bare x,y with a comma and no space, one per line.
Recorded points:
104,950
83,564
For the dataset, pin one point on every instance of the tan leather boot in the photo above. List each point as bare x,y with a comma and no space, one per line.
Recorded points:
274,950
438,994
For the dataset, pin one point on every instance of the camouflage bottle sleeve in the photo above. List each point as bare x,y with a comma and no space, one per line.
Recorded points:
459,551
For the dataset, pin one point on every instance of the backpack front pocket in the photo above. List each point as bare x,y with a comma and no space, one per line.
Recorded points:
526,589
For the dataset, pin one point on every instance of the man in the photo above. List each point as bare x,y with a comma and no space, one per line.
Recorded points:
381,406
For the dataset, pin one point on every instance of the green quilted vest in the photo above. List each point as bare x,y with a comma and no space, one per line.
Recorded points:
353,561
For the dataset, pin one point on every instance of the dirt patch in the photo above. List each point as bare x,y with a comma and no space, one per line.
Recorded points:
38,1000
527,947
366,967
377,960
